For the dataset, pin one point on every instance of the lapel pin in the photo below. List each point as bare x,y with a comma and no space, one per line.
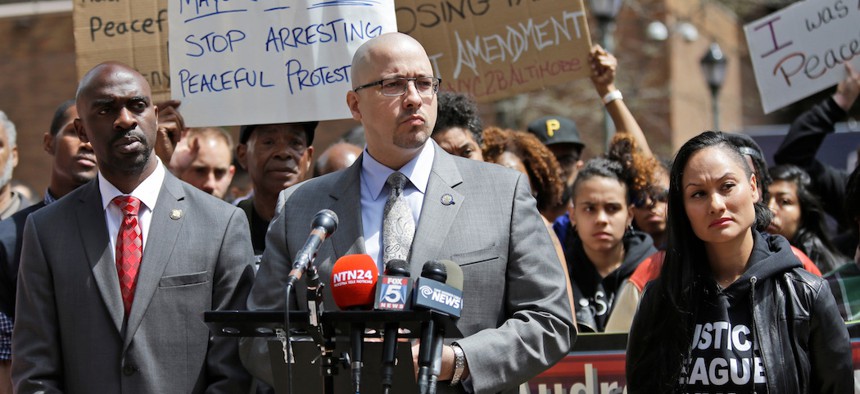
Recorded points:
176,214
447,199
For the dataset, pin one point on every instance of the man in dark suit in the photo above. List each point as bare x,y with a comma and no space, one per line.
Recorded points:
516,318
108,299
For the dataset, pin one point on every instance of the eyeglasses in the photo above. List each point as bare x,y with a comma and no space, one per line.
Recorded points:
395,87
651,197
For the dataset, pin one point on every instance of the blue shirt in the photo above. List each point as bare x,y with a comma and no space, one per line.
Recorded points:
374,194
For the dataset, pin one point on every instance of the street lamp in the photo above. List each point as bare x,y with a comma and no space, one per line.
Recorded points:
605,12
714,68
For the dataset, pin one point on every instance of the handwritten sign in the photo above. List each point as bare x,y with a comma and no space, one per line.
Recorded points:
268,61
801,49
130,31
495,49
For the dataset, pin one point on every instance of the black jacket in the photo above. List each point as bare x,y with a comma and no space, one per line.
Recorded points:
595,296
11,239
804,343
800,146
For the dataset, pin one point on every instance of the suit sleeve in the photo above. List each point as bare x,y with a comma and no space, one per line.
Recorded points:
829,346
234,275
538,329
38,363
267,292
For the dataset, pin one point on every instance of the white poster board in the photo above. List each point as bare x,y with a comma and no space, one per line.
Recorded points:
268,61
800,50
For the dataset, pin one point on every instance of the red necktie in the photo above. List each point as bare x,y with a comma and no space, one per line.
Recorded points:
129,248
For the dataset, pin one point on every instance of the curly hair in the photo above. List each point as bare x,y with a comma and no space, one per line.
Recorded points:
540,163
458,110
640,171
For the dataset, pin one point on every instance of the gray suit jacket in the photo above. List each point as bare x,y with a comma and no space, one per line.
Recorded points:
69,334
516,318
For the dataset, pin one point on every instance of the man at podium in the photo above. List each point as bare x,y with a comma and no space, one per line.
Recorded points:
516,320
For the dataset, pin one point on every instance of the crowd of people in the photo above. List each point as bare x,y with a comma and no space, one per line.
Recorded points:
724,271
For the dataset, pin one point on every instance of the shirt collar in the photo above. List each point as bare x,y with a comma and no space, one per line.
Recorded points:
146,192
374,173
49,198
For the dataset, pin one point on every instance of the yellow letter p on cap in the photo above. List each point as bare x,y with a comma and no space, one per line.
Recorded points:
551,126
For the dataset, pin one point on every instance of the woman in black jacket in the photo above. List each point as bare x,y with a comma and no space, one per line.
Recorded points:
732,311
799,217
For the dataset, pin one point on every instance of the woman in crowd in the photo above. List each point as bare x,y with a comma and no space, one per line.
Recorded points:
604,249
732,310
523,152
799,217
650,203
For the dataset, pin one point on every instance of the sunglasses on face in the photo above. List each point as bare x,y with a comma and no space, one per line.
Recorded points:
651,197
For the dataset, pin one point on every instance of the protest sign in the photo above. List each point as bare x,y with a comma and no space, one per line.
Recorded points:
500,48
801,49
132,32
253,62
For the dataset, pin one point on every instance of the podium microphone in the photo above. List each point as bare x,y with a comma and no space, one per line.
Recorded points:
323,226
431,293
353,281
393,293
455,280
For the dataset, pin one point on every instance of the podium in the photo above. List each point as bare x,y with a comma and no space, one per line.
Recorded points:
310,368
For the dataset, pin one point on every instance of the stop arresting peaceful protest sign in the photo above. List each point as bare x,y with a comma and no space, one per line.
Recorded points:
253,62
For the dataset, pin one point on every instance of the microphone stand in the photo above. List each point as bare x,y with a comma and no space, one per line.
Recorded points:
325,344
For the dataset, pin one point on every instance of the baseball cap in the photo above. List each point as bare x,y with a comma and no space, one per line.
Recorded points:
309,127
555,130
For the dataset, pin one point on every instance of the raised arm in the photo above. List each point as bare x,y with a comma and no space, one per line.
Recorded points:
603,69
806,135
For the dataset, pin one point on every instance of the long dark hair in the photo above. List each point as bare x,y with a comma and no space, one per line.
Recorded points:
684,268
811,236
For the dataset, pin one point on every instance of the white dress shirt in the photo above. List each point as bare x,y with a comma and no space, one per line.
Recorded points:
374,194
146,192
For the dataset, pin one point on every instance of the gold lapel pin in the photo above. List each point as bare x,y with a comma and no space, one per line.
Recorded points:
176,214
447,199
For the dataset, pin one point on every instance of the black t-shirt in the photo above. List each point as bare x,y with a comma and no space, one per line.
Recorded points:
259,226
724,347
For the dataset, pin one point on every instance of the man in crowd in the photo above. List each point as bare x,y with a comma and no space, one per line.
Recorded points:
516,318
107,300
73,164
10,201
336,157
561,136
458,127
204,159
276,157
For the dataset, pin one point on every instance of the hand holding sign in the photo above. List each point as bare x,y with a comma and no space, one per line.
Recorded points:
800,49
171,126
847,90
